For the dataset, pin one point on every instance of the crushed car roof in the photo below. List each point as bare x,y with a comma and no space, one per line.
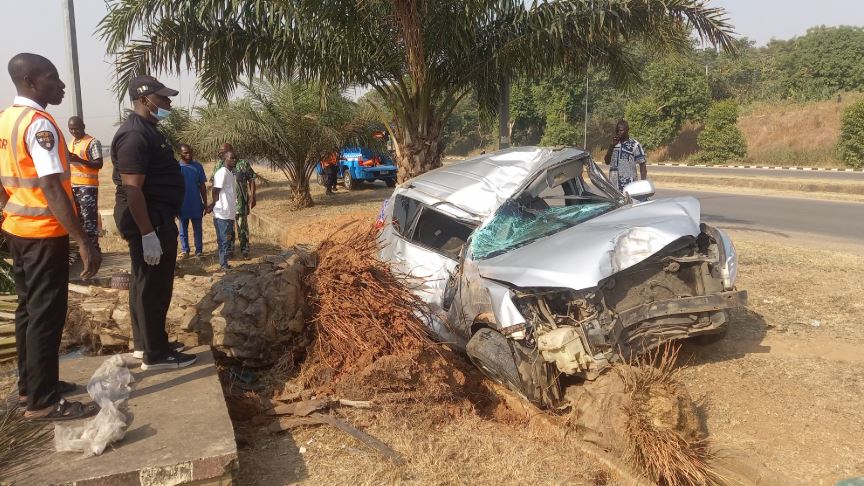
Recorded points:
481,184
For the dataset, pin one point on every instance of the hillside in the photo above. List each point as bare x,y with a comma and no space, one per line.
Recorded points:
777,134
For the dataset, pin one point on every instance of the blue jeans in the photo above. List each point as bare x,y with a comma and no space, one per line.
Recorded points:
224,238
184,235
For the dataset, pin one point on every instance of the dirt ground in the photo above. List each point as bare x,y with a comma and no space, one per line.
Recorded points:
781,392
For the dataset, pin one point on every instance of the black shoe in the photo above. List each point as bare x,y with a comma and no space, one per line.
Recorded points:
171,360
175,346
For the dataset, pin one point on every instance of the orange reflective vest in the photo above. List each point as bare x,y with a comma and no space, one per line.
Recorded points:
26,214
81,174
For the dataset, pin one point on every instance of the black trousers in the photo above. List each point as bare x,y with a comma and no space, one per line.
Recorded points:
150,289
330,175
41,270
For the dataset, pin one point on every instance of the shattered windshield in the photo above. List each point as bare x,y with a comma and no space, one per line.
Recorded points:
559,198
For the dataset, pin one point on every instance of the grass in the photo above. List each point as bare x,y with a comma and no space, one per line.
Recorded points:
777,134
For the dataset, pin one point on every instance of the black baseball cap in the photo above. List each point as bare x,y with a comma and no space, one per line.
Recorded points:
145,85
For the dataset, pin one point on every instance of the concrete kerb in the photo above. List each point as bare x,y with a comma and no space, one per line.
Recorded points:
179,432
818,169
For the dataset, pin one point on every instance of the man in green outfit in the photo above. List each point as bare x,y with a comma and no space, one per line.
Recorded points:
246,190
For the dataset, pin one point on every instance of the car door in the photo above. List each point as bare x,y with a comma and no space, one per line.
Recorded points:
427,246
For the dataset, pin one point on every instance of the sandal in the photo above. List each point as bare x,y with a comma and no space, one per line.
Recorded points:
63,388
66,410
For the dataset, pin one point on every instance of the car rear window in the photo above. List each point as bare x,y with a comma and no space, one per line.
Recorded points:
441,233
405,211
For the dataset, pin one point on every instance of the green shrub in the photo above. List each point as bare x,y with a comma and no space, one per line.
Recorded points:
850,147
721,140
649,124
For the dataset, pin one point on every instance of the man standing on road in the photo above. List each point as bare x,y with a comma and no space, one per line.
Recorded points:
623,155
85,159
148,198
194,200
38,218
224,206
246,194
330,168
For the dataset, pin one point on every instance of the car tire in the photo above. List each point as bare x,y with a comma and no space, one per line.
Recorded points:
493,354
390,182
348,181
320,178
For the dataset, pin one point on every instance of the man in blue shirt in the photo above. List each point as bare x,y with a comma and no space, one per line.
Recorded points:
194,200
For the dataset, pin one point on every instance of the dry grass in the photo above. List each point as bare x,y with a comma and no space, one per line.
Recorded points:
777,134
794,134
807,290
461,450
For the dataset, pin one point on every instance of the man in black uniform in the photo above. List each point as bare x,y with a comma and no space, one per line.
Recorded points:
148,198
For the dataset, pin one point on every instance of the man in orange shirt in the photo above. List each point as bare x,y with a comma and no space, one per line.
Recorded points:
85,159
38,218
330,167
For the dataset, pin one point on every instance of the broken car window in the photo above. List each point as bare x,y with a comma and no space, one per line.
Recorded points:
441,233
560,198
405,211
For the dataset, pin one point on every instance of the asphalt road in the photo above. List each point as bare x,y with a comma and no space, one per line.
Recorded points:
780,215
780,174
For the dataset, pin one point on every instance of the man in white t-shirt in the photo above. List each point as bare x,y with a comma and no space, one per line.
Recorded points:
224,206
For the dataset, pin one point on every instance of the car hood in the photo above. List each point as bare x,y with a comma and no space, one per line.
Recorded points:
581,256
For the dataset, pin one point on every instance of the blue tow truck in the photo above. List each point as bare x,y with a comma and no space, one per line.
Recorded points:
360,164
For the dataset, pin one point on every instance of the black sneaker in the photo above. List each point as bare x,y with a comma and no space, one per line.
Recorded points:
172,346
170,361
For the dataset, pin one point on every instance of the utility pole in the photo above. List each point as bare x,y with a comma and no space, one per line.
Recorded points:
504,116
72,56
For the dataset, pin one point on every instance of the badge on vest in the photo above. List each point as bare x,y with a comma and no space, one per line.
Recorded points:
45,139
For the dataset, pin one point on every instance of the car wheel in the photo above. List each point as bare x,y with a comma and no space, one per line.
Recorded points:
493,355
390,182
348,181
319,176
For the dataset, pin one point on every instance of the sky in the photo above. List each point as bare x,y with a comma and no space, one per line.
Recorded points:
38,26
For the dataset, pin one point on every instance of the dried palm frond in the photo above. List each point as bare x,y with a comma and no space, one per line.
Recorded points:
665,438
20,439
361,308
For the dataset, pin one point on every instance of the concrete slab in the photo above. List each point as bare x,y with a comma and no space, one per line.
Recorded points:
112,263
179,432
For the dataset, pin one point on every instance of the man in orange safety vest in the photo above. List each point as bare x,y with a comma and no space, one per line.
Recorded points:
38,218
85,160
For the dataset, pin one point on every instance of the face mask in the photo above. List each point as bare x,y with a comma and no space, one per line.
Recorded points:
160,113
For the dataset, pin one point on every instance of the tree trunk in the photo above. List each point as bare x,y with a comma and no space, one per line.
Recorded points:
300,196
418,156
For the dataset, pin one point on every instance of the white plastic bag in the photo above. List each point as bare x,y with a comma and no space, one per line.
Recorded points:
108,387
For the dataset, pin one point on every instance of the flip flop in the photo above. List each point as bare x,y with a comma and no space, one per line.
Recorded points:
63,388
66,410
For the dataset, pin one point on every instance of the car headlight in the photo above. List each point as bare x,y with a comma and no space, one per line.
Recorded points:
728,260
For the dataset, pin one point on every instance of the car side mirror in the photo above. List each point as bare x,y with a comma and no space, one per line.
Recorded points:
643,188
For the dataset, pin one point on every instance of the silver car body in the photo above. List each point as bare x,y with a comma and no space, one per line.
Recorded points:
469,288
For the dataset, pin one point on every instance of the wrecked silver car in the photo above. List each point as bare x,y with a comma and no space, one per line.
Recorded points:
545,274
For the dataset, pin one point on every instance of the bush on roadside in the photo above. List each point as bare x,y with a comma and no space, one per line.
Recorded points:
649,124
721,140
850,147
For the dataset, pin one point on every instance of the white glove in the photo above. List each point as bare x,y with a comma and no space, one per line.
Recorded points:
152,248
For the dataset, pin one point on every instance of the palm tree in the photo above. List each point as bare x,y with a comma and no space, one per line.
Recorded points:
291,126
421,56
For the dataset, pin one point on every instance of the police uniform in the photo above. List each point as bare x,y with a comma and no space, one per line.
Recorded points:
85,184
32,146
140,148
